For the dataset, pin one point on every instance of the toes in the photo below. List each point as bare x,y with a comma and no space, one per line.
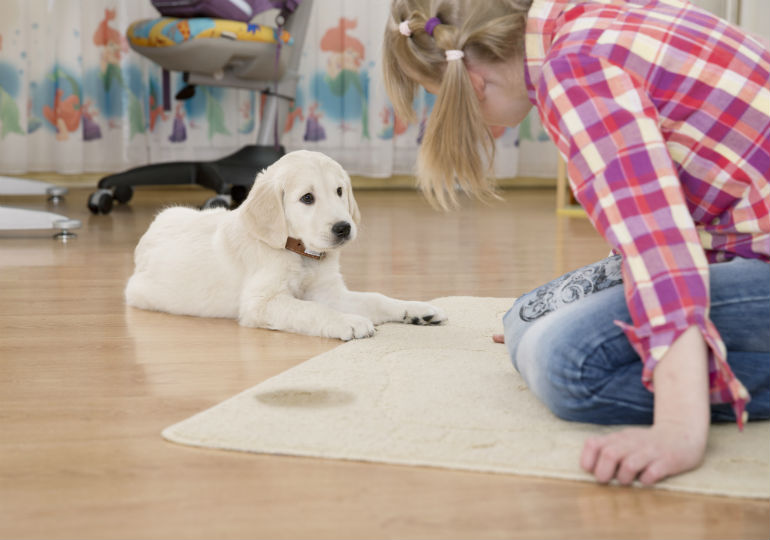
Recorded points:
365,331
423,314
353,327
421,320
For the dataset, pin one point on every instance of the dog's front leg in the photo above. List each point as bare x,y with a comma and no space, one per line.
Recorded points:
380,308
282,311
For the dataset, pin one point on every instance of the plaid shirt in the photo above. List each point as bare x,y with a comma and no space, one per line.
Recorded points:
662,113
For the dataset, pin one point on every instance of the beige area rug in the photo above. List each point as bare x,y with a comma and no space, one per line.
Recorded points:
440,396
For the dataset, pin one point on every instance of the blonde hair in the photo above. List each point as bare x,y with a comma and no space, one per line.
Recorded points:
457,148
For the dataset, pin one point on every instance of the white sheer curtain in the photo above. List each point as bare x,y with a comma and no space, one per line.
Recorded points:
74,98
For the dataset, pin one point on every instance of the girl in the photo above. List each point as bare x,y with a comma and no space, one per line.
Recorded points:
662,114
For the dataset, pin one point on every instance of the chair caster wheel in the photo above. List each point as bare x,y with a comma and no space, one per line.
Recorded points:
123,194
100,201
220,201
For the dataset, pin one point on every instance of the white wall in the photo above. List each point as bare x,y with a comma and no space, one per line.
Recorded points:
753,15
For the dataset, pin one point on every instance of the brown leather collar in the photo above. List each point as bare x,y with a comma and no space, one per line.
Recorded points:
296,245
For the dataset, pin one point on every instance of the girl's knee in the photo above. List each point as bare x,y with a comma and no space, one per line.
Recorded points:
583,373
550,364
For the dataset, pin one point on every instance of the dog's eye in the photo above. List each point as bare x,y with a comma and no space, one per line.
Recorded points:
307,198
339,191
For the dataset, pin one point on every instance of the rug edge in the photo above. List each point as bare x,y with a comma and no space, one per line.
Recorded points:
171,435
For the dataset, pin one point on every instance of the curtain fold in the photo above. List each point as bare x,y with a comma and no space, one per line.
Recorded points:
75,98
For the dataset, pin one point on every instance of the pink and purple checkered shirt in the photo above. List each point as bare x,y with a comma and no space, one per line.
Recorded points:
662,113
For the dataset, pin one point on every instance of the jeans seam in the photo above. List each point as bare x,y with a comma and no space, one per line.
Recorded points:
740,301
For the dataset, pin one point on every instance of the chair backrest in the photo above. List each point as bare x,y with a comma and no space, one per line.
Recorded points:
238,10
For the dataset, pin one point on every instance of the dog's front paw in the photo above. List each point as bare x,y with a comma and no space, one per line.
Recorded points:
423,314
350,327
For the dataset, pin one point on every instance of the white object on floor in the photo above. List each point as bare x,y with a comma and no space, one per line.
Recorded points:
23,186
15,219
441,396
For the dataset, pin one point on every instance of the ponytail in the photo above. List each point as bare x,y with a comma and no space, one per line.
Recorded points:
458,148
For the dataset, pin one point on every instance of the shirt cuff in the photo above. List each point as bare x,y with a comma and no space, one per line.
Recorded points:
652,343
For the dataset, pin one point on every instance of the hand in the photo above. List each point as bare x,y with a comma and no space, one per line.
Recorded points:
649,453
498,338
676,442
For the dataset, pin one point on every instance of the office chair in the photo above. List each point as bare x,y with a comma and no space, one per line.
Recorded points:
219,52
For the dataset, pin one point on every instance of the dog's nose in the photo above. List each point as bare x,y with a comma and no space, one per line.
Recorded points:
341,229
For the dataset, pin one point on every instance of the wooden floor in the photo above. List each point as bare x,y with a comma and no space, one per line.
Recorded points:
86,386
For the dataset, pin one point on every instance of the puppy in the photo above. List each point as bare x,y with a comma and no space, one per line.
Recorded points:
271,263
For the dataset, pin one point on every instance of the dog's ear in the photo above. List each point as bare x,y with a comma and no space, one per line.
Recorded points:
262,212
353,205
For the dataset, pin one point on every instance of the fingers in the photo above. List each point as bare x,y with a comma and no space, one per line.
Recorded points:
634,464
498,338
655,472
647,454
607,462
590,454
621,456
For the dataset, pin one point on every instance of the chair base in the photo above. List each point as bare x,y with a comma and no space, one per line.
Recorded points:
231,177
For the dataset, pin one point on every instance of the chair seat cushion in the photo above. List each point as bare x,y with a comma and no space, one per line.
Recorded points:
170,31
224,49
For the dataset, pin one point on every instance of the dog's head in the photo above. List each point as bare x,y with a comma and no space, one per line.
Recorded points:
305,195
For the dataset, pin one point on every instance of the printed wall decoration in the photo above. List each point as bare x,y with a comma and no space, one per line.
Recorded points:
74,97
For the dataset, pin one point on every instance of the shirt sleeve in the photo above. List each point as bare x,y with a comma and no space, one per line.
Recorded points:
621,172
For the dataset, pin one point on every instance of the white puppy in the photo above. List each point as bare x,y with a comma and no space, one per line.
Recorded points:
272,263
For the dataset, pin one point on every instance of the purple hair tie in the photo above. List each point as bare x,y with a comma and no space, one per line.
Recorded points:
431,25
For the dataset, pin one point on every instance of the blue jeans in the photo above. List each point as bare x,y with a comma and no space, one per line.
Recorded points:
564,343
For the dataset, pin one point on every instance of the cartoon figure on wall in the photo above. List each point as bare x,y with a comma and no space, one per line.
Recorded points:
114,45
33,121
295,115
115,86
203,108
247,113
64,115
156,104
91,129
10,119
314,131
343,89
392,125
178,131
